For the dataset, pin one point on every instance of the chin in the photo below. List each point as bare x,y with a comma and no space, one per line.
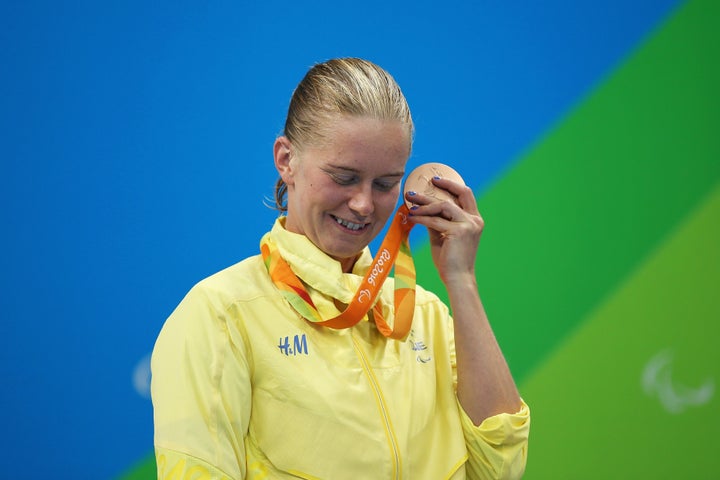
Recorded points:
341,254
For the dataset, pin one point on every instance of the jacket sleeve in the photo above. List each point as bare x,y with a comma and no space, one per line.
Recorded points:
497,448
201,390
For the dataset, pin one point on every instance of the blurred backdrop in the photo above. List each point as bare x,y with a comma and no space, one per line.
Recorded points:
136,142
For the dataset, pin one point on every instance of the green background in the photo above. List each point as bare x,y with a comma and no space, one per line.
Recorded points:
600,264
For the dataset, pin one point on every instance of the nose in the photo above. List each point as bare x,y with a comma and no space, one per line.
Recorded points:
361,201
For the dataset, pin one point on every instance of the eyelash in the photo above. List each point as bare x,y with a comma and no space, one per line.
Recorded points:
386,186
349,180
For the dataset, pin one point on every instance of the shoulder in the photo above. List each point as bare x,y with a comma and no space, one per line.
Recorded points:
243,281
212,311
432,317
216,299
426,299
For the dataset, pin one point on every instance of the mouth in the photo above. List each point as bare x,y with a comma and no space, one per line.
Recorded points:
352,226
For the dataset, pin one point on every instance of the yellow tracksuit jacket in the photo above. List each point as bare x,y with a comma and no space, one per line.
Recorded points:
244,388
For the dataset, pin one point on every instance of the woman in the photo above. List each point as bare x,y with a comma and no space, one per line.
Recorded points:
248,385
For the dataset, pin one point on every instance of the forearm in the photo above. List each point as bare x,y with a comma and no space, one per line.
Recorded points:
485,384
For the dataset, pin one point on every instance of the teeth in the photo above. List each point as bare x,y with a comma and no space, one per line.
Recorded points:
350,225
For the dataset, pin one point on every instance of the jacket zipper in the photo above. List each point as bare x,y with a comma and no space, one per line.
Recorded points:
382,407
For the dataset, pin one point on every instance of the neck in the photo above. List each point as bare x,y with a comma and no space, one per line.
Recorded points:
347,264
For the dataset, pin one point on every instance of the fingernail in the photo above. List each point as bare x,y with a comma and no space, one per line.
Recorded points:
436,177
411,193
414,207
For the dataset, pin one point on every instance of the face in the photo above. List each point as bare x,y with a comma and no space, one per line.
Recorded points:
341,194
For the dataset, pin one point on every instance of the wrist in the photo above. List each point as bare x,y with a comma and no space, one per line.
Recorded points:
460,280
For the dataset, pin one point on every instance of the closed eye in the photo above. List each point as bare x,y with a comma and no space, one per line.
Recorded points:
383,184
342,179
386,185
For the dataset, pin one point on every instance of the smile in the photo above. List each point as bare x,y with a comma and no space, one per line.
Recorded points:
349,225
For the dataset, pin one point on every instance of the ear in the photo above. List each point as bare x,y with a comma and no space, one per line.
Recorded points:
283,153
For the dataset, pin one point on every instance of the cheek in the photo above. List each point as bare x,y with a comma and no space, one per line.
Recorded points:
387,201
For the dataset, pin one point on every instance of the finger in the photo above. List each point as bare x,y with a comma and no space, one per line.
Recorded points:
439,196
441,217
462,194
416,198
432,207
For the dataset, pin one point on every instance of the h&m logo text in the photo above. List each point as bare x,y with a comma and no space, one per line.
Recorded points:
298,347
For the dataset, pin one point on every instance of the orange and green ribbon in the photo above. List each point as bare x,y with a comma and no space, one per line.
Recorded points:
394,251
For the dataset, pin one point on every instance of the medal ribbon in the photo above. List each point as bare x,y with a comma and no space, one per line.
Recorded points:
395,249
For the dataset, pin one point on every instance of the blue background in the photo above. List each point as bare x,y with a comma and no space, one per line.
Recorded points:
136,141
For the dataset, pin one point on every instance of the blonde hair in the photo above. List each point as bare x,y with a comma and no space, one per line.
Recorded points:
342,86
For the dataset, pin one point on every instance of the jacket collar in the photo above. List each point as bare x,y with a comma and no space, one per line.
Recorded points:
315,267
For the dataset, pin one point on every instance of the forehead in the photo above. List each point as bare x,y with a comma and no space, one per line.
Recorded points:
366,145
365,133
343,128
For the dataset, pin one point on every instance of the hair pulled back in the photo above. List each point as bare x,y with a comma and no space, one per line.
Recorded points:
342,86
